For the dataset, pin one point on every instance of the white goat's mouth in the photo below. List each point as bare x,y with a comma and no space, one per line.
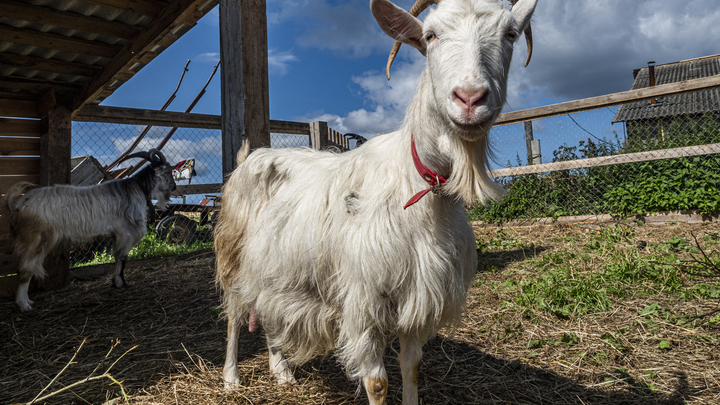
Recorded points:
472,129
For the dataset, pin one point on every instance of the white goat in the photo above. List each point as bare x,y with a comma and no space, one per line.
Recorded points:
317,247
45,217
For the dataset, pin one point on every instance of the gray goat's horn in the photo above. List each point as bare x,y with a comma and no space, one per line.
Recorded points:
156,157
143,155
528,39
415,10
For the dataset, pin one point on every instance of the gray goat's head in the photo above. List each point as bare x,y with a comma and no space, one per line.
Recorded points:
469,45
163,183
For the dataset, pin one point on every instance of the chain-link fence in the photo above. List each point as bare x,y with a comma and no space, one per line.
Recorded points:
636,158
187,224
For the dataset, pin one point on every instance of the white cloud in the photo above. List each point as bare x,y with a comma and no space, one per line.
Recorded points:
208,57
278,61
586,48
582,48
386,100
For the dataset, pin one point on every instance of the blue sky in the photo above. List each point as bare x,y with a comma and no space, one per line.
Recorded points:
327,59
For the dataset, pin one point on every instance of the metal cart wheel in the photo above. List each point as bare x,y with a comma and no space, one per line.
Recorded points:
176,229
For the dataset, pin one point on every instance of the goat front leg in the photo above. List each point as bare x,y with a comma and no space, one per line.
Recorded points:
118,280
123,243
230,370
410,355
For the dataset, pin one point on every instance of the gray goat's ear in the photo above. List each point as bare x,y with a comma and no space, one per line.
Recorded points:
398,24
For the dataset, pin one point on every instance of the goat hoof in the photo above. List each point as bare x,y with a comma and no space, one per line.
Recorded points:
123,285
232,384
25,306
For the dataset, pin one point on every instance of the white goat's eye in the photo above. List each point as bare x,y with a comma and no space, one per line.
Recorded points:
430,36
511,35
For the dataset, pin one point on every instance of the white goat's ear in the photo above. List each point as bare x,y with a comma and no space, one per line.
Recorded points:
398,24
523,11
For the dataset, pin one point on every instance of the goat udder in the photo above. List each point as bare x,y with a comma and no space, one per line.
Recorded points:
253,322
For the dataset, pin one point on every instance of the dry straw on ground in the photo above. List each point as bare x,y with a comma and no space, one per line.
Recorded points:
170,313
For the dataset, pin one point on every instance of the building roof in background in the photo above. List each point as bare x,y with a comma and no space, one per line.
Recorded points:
696,102
85,48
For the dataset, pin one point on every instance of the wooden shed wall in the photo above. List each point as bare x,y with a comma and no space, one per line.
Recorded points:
34,147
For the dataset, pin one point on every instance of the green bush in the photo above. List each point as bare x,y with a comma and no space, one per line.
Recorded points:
624,189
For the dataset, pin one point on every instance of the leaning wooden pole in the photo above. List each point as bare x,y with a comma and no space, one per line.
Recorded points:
132,169
147,127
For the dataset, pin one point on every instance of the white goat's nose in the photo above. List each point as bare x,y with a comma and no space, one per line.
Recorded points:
469,98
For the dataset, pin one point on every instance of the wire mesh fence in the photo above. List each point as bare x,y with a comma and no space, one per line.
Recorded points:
187,224
624,160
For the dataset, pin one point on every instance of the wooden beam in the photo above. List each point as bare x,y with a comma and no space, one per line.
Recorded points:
36,86
48,65
17,165
136,116
50,16
55,169
7,181
662,154
244,78
607,100
197,189
56,42
160,31
55,144
141,7
12,146
288,127
18,108
14,127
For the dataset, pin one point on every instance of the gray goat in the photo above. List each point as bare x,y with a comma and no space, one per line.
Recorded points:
44,217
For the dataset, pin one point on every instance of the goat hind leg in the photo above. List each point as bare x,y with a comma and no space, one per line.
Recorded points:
278,364
21,295
30,265
376,383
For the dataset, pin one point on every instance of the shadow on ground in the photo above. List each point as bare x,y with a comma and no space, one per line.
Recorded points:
171,314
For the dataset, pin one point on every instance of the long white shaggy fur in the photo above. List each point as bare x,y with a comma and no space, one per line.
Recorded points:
317,246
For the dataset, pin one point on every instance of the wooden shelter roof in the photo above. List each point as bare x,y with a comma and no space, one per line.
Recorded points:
695,102
84,49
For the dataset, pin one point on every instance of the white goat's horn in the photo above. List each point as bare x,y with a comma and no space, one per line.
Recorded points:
528,39
415,10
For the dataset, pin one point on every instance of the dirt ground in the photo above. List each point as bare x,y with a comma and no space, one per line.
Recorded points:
163,341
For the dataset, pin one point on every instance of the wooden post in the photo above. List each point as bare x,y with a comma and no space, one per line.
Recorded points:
319,135
535,154
528,141
244,78
55,141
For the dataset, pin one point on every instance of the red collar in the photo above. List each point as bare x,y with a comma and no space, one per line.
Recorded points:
433,179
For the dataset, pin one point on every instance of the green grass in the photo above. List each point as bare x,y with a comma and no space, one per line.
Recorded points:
149,246
592,274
